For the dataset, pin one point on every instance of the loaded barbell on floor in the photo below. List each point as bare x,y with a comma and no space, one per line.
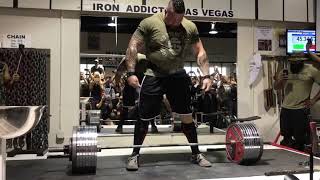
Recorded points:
94,119
243,146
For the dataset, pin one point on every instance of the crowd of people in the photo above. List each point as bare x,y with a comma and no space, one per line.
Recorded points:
222,96
106,94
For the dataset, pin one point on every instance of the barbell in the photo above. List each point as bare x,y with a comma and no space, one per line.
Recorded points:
94,119
243,146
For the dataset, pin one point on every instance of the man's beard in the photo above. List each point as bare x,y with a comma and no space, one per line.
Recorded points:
296,67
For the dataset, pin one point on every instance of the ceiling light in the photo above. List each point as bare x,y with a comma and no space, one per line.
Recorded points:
112,24
213,24
213,32
213,29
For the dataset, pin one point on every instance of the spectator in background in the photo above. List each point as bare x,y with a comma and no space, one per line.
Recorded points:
220,90
234,96
297,82
194,89
96,91
5,81
110,96
97,68
84,86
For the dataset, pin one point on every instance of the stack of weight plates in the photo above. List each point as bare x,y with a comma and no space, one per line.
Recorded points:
84,149
243,143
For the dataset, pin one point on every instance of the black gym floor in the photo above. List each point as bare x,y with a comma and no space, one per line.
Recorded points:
157,166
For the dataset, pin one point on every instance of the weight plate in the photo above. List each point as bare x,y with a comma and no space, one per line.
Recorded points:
84,149
234,143
243,143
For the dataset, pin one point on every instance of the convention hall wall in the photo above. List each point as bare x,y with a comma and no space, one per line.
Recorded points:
58,29
59,32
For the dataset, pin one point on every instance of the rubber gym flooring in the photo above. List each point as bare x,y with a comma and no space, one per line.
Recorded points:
157,166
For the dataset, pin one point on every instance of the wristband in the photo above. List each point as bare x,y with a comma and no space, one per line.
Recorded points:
130,74
206,76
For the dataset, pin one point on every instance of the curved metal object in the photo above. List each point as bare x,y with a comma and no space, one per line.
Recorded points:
243,143
16,121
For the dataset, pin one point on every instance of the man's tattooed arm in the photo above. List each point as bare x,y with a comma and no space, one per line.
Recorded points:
202,58
136,45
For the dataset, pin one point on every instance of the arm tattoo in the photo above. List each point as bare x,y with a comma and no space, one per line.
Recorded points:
136,45
203,62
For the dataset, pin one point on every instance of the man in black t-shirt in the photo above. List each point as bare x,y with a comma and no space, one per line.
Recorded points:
97,67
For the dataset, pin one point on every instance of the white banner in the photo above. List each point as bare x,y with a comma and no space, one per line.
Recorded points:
13,40
102,6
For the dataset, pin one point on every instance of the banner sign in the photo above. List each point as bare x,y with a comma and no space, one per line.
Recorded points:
101,6
12,40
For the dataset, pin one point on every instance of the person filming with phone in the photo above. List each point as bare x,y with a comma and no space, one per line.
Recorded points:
297,82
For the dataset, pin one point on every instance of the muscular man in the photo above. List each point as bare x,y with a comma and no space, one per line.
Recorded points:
165,38
130,94
297,82
5,81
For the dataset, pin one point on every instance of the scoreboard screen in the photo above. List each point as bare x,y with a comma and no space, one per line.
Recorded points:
297,40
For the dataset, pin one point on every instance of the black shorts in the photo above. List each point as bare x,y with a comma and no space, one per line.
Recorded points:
129,95
295,122
177,89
